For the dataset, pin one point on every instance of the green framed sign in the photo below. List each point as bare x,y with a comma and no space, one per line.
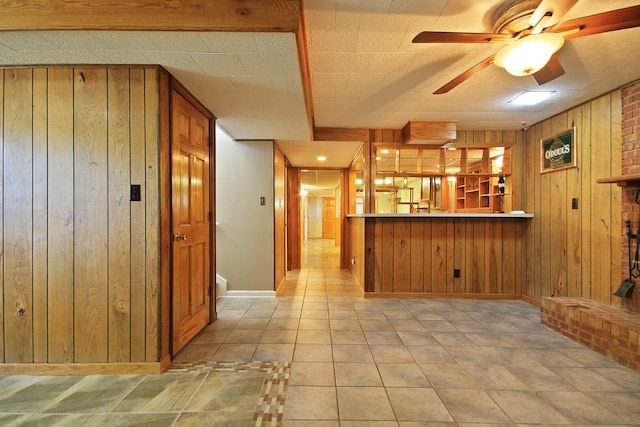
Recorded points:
558,151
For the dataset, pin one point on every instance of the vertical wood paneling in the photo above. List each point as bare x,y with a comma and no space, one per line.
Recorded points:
545,221
378,253
18,219
427,263
601,202
574,216
587,178
558,222
510,257
531,172
40,247
616,194
91,207
401,255
493,256
439,257
137,214
387,252
119,215
450,254
459,255
60,215
477,257
158,208
417,256
81,263
467,270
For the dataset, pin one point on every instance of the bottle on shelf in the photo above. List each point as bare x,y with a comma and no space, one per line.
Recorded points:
501,184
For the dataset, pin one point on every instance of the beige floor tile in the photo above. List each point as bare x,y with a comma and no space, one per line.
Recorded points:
314,325
527,407
364,403
312,373
274,336
402,375
585,379
347,337
352,353
310,403
418,404
448,375
313,353
314,337
472,405
580,408
273,352
357,374
234,352
345,325
430,354
391,354
624,405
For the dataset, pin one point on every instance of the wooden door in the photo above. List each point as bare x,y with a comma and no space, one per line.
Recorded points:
328,217
191,222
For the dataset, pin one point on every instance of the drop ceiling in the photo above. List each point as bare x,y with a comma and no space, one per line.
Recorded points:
364,70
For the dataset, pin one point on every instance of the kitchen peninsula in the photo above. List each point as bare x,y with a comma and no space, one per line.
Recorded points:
471,255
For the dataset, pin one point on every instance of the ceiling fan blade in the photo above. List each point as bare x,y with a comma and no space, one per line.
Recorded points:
465,76
446,37
618,19
554,9
551,71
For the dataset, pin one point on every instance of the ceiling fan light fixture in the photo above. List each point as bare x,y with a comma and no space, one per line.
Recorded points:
529,54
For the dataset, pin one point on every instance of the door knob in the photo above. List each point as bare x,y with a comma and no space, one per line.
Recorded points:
179,236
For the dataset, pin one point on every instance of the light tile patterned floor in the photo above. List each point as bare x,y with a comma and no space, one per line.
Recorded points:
322,355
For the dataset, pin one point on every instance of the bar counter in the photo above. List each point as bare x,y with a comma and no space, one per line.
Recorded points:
472,255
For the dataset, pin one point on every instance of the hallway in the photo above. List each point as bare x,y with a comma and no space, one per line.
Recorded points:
321,355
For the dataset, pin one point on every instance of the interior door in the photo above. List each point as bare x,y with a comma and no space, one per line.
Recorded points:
328,217
191,222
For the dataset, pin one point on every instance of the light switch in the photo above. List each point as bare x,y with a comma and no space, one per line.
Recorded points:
263,201
136,194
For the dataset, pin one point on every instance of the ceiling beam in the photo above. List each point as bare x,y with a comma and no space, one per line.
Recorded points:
156,15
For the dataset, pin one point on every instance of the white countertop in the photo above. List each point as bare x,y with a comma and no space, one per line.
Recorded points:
443,215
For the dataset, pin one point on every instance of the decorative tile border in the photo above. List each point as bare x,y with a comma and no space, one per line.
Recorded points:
270,406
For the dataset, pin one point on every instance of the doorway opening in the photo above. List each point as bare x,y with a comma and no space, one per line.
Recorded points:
321,214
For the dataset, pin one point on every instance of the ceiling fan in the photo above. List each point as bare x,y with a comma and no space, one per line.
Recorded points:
528,26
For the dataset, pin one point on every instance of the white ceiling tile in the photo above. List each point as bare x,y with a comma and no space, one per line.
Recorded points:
276,43
177,42
223,42
121,40
219,64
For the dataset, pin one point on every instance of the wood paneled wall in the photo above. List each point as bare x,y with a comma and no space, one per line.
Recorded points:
418,255
80,261
576,252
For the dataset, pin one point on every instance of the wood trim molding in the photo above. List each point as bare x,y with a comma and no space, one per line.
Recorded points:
82,368
160,15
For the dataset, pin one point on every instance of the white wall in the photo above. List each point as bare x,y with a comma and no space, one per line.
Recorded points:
245,230
314,212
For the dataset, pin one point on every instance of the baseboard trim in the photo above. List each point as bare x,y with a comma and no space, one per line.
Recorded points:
444,295
81,368
250,294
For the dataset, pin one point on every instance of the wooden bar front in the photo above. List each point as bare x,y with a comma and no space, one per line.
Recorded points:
439,255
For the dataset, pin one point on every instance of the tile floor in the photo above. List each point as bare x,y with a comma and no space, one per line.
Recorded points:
322,355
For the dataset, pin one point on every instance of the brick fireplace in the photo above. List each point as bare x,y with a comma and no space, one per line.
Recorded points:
630,166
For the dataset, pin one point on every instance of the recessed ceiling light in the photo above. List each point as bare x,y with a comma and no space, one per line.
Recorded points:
531,98
384,151
322,158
